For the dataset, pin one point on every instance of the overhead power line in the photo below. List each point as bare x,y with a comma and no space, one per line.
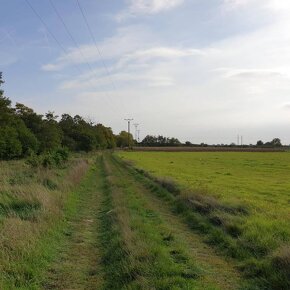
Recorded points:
94,40
46,27
76,43
50,32
108,73
70,34
55,38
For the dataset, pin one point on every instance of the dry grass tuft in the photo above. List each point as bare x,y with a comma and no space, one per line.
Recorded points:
281,259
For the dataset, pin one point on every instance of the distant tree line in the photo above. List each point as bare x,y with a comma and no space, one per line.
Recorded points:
24,132
276,142
150,140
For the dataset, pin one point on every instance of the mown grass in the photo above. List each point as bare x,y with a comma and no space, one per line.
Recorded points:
32,213
240,201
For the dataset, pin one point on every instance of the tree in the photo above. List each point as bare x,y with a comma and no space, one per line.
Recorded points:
16,139
10,146
32,120
149,140
105,137
260,143
276,142
6,112
122,139
160,141
50,134
28,140
24,131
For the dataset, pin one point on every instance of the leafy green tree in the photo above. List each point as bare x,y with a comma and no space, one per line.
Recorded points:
24,132
122,139
69,129
10,146
104,136
160,141
77,133
32,120
6,112
28,140
276,142
50,135
16,139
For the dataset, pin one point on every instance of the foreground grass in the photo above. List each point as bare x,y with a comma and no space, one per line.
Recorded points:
240,201
77,263
143,251
33,205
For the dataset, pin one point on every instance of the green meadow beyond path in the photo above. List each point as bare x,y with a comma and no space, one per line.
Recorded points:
122,236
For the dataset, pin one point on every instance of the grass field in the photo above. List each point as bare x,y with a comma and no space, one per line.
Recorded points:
101,223
242,201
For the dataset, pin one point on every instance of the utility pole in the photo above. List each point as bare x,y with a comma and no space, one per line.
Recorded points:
136,129
242,140
138,132
128,120
238,139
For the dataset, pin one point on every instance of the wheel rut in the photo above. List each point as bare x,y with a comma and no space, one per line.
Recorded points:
216,269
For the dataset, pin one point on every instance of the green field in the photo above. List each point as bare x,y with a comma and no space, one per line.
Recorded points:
244,195
99,222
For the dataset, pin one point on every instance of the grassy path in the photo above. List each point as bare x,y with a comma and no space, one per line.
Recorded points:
122,237
78,263
193,264
216,269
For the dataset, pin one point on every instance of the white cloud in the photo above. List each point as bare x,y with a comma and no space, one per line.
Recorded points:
126,40
237,3
137,7
153,6
151,67
252,73
272,5
165,52
239,83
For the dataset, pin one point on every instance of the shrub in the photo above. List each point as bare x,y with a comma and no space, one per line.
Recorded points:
62,153
49,159
33,160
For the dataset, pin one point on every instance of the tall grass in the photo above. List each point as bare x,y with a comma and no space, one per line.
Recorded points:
32,202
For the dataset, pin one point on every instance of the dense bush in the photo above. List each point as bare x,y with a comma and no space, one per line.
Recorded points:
50,159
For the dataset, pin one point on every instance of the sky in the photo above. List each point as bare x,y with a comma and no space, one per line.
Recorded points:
198,70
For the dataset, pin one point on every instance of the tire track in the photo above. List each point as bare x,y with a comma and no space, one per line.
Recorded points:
217,270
